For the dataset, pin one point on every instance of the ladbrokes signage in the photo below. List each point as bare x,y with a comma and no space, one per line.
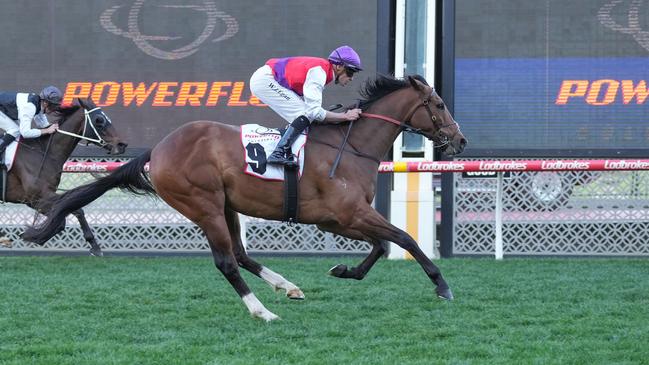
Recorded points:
157,64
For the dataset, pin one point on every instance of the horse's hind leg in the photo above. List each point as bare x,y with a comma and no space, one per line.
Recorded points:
275,280
205,207
216,230
95,249
6,242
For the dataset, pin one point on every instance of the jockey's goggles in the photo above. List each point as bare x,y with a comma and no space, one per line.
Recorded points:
350,71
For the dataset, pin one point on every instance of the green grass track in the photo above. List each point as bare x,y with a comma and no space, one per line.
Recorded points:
116,310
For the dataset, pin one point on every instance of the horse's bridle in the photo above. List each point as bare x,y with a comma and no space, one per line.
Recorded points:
95,130
407,126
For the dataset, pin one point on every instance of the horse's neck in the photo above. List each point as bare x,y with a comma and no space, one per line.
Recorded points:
62,145
373,136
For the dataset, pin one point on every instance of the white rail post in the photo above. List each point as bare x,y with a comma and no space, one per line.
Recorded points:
412,202
499,217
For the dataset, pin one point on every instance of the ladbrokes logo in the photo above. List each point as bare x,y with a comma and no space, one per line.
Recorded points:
144,42
163,94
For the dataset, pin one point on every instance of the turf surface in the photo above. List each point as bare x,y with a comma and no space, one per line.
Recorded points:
83,310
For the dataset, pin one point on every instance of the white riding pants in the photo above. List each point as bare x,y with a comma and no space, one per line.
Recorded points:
9,125
283,101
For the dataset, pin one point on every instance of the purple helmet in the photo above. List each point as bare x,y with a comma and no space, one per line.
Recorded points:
51,94
346,56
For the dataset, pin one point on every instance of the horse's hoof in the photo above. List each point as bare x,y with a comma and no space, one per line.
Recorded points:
444,293
96,253
267,316
6,242
295,294
338,270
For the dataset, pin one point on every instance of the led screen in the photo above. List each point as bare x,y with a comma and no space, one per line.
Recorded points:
156,64
552,74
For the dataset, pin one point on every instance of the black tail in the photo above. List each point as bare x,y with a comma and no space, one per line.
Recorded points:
130,176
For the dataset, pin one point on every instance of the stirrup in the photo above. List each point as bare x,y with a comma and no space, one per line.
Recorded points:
279,158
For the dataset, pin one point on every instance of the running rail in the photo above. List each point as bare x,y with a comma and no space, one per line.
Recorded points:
499,166
448,166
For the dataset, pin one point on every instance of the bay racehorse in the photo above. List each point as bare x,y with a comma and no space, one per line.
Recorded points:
199,170
38,165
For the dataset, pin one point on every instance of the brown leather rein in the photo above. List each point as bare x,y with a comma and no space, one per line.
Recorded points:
404,126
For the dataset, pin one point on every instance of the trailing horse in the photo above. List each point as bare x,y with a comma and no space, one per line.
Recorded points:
38,165
199,170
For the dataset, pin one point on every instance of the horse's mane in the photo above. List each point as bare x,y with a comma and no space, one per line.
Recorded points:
68,109
381,86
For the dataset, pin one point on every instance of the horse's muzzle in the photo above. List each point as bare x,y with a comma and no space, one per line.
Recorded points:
118,148
455,148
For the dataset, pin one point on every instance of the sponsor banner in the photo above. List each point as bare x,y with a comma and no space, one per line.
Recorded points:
484,168
484,174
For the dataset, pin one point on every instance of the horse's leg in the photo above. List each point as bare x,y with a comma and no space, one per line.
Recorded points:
95,249
43,206
216,231
205,206
6,242
369,222
358,272
275,280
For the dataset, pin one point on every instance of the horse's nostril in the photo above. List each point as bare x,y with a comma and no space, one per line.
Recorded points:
463,142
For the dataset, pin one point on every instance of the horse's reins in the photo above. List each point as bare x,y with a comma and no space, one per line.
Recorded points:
403,126
342,146
87,121
407,127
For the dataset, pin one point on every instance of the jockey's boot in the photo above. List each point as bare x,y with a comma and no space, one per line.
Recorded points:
4,142
283,149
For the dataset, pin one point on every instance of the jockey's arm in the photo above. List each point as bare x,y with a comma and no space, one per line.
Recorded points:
26,112
349,115
312,90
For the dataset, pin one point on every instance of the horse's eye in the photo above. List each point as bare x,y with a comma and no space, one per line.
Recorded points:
440,106
100,121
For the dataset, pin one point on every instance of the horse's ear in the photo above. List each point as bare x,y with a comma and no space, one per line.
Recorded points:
416,84
81,103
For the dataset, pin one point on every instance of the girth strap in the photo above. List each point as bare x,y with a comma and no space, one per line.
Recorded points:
290,193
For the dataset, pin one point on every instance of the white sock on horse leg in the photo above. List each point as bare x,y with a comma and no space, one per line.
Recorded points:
257,309
276,280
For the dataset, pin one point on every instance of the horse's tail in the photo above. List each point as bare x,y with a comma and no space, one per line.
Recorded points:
130,176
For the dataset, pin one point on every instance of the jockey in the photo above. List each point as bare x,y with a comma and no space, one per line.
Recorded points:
17,110
293,86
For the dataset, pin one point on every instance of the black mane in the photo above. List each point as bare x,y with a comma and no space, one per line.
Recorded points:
68,110
382,85
62,113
